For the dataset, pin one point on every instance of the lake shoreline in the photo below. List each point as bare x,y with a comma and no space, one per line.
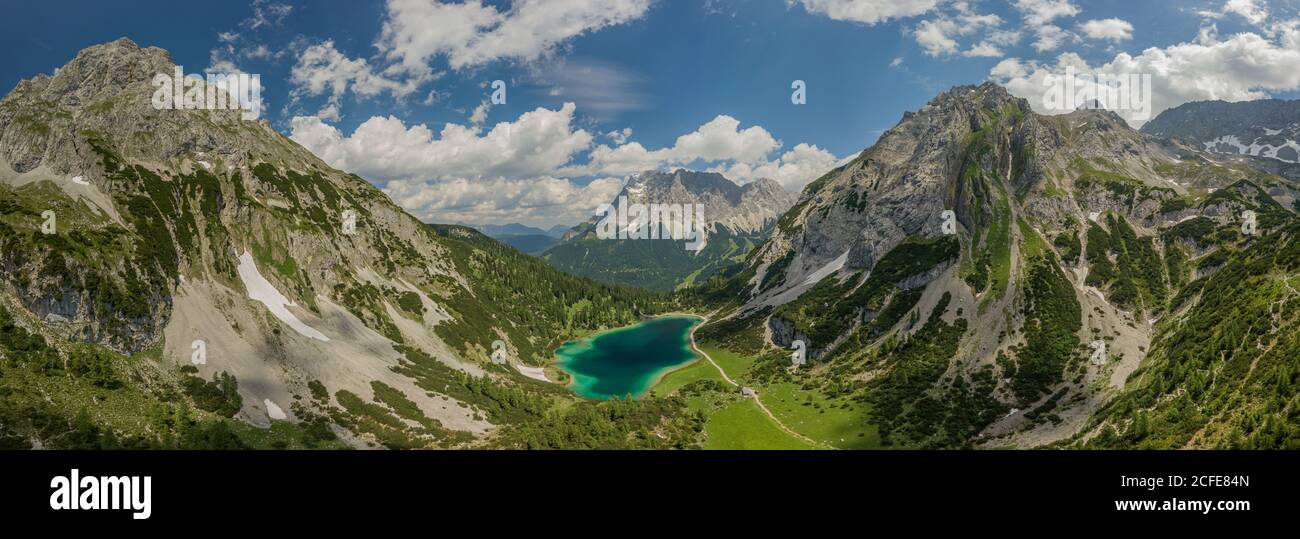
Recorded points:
657,377
690,340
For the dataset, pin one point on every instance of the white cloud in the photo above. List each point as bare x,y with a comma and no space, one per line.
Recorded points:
620,137
471,33
261,52
523,170
1243,67
742,155
322,69
1011,68
545,201
266,13
461,174
385,149
1115,30
1039,16
721,139
1250,10
480,113
896,62
983,50
793,170
1003,37
866,11
933,36
1040,12
939,36
1050,37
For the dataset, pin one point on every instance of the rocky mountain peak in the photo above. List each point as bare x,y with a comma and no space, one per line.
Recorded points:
763,185
101,100
97,72
740,208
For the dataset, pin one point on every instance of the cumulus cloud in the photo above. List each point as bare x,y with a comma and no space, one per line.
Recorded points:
983,50
1243,67
465,34
793,169
720,145
866,11
526,170
940,36
461,174
721,139
471,33
952,23
385,148
933,36
1251,11
322,69
545,201
1115,30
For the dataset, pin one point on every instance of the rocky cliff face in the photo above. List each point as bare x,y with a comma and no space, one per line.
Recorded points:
962,151
741,209
1062,231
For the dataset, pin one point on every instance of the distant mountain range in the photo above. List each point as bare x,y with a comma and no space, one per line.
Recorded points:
516,229
1268,128
530,240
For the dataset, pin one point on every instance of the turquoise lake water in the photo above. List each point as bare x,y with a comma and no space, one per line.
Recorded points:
627,361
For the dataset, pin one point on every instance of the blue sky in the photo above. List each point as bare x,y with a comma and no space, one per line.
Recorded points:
396,91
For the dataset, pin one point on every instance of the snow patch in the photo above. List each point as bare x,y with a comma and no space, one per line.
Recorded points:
260,289
830,267
536,373
273,410
1254,148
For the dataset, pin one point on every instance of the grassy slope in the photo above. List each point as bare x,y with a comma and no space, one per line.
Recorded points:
742,425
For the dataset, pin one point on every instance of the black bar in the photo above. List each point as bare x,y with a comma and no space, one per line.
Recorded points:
320,487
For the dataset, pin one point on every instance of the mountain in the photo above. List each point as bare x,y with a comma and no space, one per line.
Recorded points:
736,218
516,229
984,276
1268,128
981,277
187,278
533,244
530,240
